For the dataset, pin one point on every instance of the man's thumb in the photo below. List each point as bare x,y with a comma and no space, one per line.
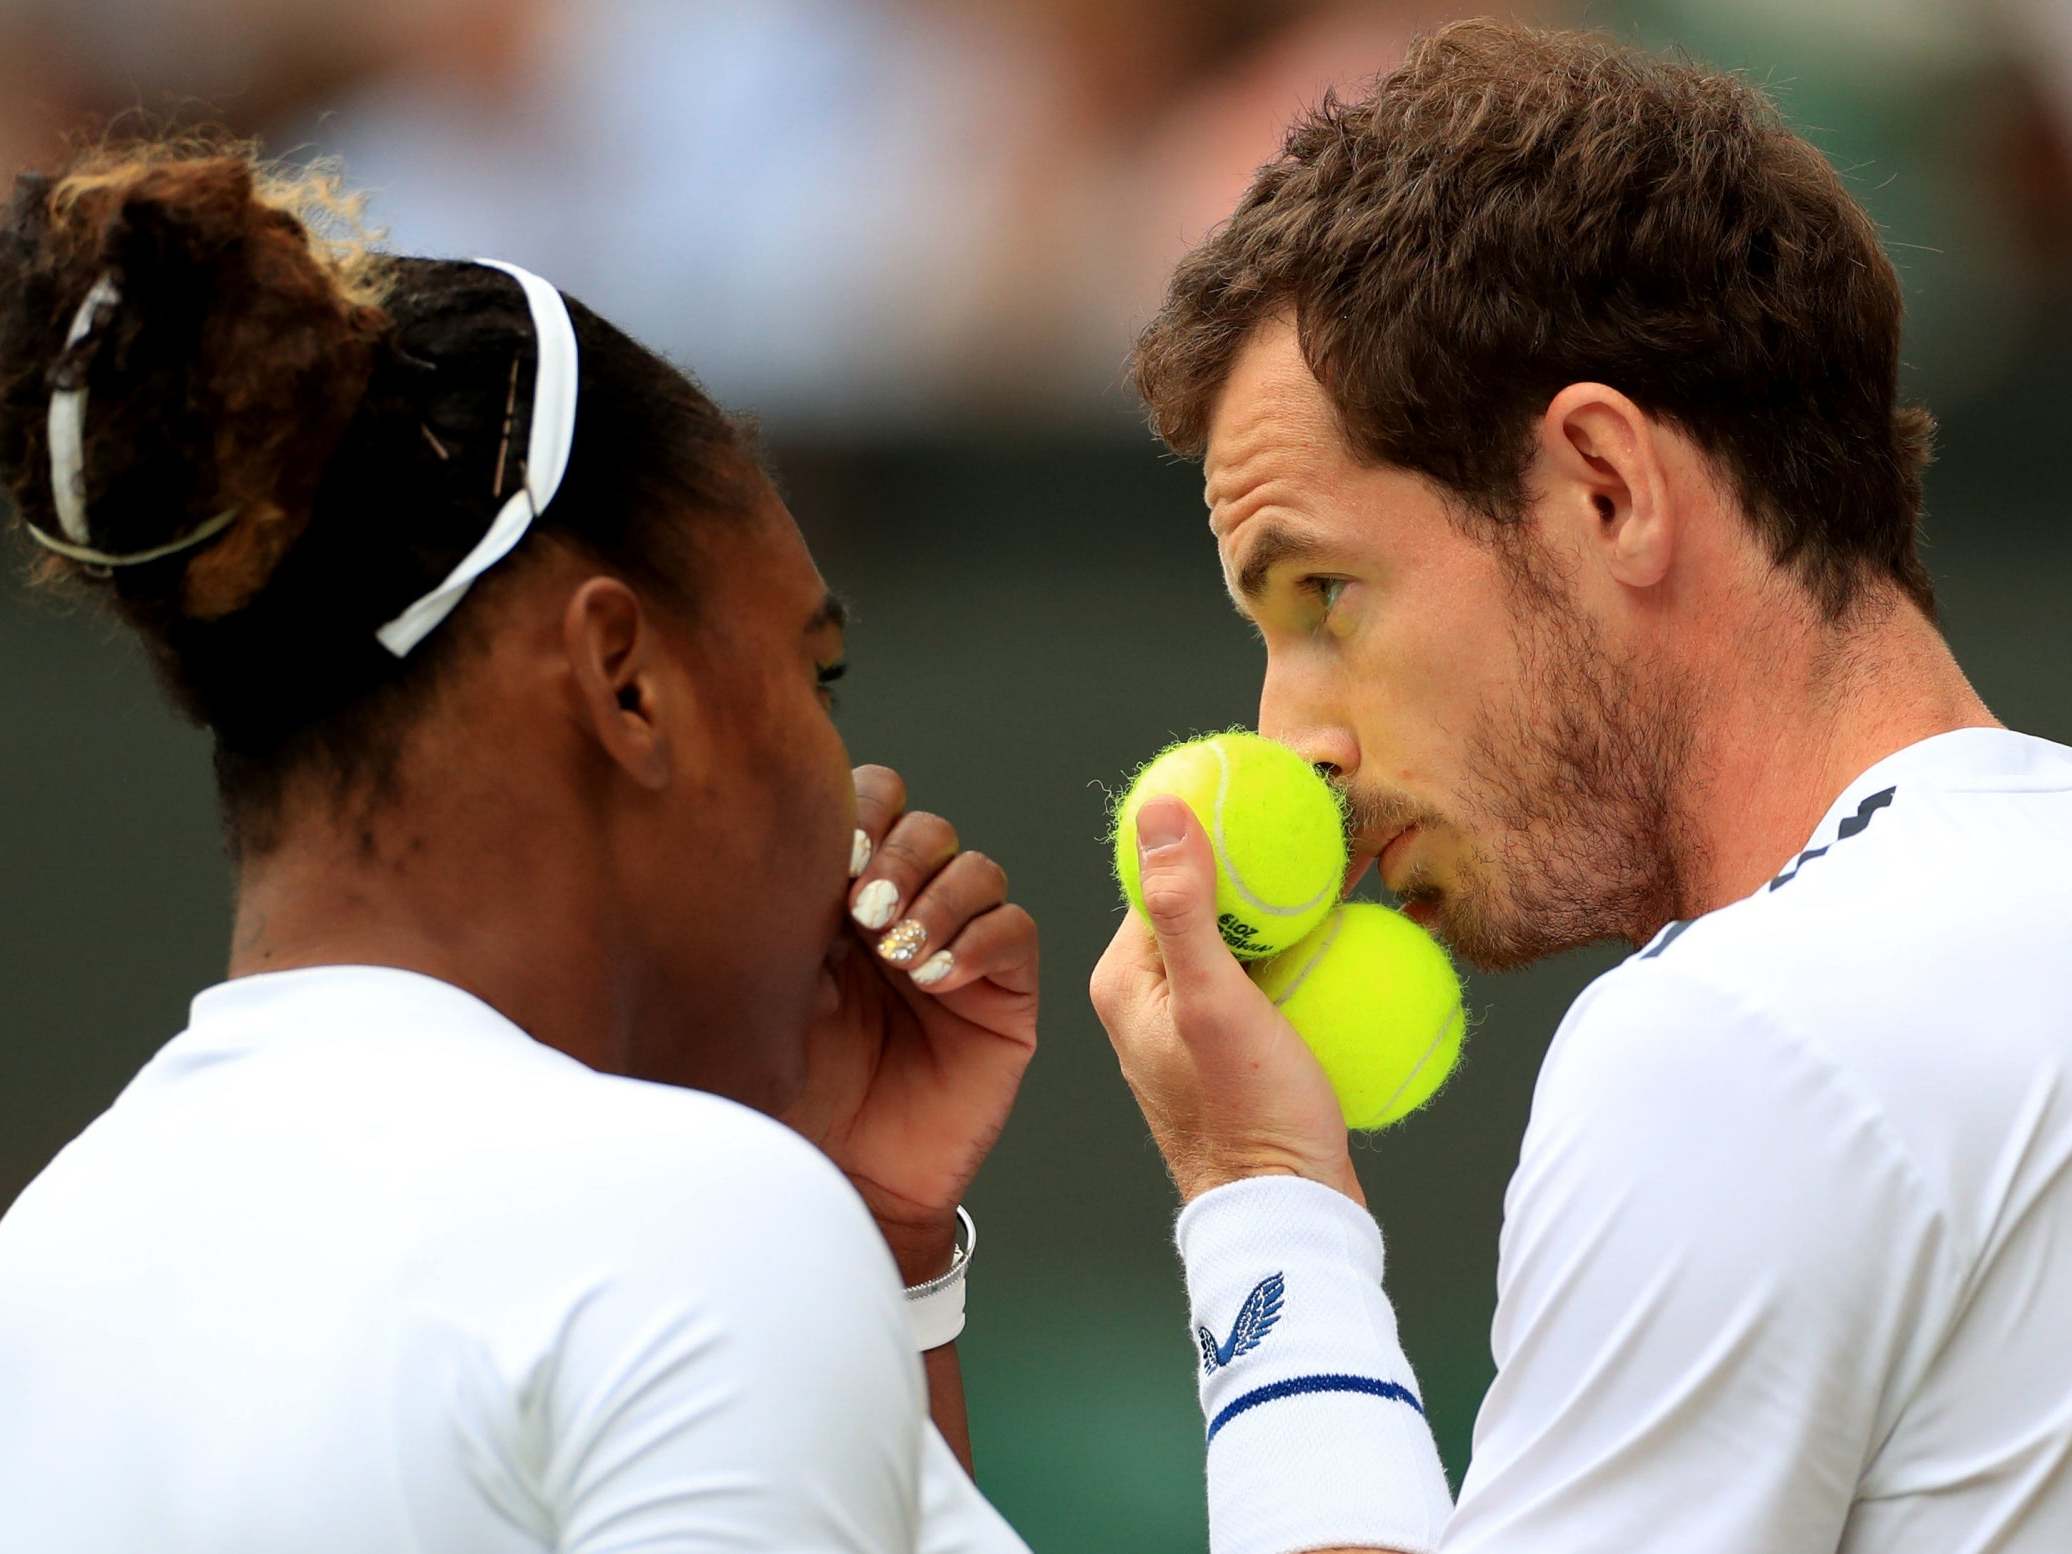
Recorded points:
1177,875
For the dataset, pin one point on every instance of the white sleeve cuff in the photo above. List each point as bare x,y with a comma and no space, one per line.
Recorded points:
1316,1432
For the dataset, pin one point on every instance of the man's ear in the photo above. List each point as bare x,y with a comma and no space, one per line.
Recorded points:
1604,488
615,669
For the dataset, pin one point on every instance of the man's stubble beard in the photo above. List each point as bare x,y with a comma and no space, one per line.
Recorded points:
1572,815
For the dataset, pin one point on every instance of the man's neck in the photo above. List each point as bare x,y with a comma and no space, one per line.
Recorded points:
1780,745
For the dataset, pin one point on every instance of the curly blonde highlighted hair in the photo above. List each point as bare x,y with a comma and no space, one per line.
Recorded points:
314,194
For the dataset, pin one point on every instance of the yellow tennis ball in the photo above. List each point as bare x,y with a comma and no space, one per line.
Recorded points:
1278,830
1378,1002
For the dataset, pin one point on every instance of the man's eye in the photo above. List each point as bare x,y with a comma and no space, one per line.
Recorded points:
1325,590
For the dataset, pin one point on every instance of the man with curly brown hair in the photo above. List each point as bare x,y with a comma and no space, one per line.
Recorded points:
1547,401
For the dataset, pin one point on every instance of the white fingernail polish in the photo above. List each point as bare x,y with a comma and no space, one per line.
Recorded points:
876,904
933,969
859,853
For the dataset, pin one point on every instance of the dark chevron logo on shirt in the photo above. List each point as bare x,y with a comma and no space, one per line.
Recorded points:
1255,1319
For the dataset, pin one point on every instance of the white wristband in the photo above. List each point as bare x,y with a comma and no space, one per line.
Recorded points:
935,1310
1316,1431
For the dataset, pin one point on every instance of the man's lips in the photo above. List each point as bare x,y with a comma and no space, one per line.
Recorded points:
1391,857
1367,851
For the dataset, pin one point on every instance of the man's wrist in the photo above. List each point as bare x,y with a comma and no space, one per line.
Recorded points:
1204,1174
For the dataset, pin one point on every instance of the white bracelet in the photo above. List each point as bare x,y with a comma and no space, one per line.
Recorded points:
935,1310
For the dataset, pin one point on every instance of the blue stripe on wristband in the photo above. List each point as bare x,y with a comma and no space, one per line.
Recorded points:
1296,1386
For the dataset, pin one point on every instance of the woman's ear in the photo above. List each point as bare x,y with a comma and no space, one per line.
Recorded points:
622,698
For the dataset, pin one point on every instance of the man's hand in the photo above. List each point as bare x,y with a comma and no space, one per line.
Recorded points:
1228,1087
910,1079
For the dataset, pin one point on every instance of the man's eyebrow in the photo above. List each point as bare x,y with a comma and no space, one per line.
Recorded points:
1276,544
832,612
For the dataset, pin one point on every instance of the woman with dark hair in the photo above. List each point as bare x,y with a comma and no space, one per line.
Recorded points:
457,1219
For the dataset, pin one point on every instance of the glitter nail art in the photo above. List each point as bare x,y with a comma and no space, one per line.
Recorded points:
904,943
876,904
933,969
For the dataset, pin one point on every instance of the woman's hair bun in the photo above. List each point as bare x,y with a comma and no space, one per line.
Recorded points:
245,331
361,419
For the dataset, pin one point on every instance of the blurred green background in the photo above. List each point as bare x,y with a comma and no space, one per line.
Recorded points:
1038,608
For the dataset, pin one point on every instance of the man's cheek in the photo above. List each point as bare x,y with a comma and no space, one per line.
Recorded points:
1454,863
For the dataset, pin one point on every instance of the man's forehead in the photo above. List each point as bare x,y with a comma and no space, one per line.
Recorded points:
1270,420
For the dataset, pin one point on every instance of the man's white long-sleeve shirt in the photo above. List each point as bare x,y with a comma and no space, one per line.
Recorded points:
1786,1265
1787,1261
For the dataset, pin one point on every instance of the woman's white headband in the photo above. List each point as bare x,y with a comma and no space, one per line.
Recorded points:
552,435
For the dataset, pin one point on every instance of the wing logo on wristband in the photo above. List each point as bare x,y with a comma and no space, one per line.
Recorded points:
1255,1319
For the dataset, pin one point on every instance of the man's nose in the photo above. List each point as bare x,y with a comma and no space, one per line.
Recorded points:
1296,711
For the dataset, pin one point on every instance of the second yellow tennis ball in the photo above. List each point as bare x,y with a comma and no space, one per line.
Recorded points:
1278,830
1378,1002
